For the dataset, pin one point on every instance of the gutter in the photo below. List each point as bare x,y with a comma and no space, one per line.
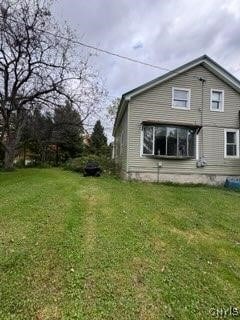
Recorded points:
171,123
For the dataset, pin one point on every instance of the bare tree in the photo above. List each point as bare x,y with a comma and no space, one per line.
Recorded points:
112,109
39,65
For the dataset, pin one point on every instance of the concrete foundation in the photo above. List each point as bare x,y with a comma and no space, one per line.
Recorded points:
210,179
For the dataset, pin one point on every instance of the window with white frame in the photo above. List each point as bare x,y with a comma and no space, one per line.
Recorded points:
217,100
231,143
181,98
161,140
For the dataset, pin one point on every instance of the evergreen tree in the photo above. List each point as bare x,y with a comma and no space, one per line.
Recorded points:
36,68
52,137
67,132
98,144
36,136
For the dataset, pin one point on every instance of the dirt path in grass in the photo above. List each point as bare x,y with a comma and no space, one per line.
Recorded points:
94,198
91,199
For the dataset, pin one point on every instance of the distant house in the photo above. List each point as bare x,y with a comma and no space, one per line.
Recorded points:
87,139
181,127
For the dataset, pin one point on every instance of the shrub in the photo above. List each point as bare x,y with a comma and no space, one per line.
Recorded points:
77,164
19,163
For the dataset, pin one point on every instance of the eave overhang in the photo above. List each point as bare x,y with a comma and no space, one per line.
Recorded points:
204,60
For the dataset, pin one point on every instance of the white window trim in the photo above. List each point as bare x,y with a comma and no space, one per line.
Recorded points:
197,146
153,152
225,143
141,141
189,98
222,105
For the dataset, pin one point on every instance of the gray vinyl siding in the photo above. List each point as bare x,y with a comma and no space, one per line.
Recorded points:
155,104
120,145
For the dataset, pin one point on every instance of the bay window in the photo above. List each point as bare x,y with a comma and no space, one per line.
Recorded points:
168,141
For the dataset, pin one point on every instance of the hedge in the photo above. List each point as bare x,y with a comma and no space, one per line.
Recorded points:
107,165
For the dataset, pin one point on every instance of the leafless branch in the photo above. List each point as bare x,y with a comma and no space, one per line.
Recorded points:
38,65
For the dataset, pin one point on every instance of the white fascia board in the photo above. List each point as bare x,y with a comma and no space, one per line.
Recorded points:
151,85
214,68
222,75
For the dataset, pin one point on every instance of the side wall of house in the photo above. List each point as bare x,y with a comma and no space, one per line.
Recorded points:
155,104
120,144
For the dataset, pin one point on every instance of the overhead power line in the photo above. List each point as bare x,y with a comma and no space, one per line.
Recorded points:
111,53
99,49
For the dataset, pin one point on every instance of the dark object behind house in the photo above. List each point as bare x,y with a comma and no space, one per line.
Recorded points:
92,169
232,183
107,165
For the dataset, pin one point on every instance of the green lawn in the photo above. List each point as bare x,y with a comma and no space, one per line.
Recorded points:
101,248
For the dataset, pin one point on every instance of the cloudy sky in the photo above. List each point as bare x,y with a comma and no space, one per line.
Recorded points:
166,33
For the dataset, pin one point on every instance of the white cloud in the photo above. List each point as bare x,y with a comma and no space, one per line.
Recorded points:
232,6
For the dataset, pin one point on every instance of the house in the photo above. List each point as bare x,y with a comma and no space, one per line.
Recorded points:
181,127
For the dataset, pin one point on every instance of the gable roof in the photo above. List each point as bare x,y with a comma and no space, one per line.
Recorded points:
204,60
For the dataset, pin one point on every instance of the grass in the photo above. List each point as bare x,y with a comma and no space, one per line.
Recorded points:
85,248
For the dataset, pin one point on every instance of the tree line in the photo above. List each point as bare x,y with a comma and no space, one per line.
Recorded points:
53,138
41,67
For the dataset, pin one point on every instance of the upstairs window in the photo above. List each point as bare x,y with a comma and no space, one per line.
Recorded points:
217,100
181,98
168,141
231,148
